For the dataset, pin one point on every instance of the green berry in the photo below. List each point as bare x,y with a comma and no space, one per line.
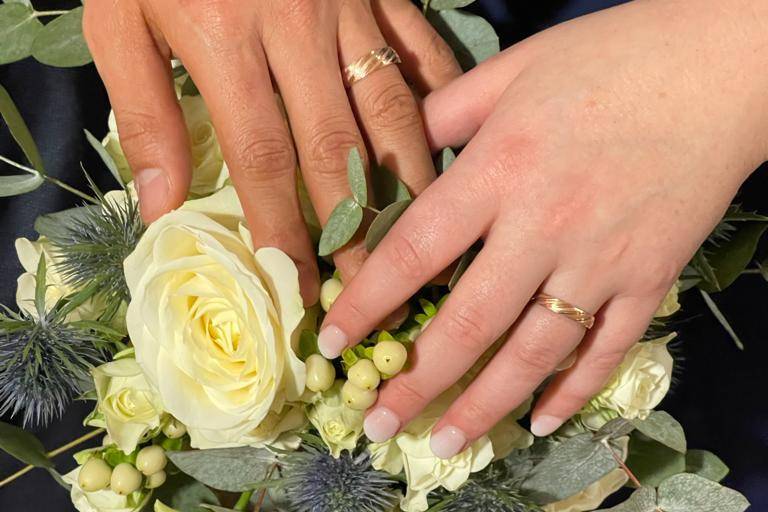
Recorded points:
357,398
174,429
329,291
155,480
364,375
94,475
125,480
151,459
389,357
320,373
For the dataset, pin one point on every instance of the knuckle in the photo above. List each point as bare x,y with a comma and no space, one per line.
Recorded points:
480,413
263,155
138,131
604,363
392,107
328,151
465,328
439,56
406,258
532,356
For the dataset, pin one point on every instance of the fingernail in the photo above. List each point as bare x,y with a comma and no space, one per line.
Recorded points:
381,425
542,426
331,341
153,186
448,442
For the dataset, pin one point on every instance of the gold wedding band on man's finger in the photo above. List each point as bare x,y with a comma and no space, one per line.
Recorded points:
369,63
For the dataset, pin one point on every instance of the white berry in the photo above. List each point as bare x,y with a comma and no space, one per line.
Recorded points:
174,429
320,373
329,291
151,459
94,475
126,479
155,480
364,375
357,398
389,357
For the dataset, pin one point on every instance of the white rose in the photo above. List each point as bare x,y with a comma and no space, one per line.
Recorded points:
671,304
210,172
101,501
213,322
410,451
339,426
130,406
639,384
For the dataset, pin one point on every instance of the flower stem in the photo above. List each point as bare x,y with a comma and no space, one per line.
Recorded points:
263,493
54,453
71,189
374,210
244,500
49,13
622,465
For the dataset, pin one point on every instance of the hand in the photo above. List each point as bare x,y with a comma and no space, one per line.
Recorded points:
602,154
231,49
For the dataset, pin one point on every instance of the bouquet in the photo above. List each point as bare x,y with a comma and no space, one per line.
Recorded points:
208,388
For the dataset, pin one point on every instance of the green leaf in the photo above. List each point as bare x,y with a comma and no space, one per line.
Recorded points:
389,189
712,305
18,29
617,427
383,222
105,156
441,5
188,88
216,508
356,177
642,500
60,43
652,462
705,464
308,344
471,37
183,494
569,469
19,184
662,427
464,262
40,287
705,271
444,160
19,130
56,225
23,446
341,226
225,469
731,257
692,493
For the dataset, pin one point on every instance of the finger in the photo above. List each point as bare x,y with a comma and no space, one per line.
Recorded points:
412,253
385,105
232,75
538,342
624,320
428,61
452,116
322,120
152,131
478,311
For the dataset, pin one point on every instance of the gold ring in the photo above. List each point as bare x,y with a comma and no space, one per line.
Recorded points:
367,64
561,307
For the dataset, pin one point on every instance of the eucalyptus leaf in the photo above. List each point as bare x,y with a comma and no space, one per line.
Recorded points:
341,226
441,5
61,43
19,130
189,88
225,469
617,427
444,160
464,262
383,222
19,184
642,500
183,494
569,469
389,189
23,446
105,156
705,464
662,427
652,462
356,177
23,2
731,257
700,263
692,493
471,37
18,29
217,508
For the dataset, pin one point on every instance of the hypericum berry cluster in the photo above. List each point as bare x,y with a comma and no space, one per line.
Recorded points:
125,478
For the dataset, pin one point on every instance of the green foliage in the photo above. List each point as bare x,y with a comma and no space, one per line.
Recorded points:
440,5
471,37
225,469
183,494
109,162
341,226
384,222
20,184
388,187
705,464
61,43
356,177
665,429
652,462
444,160
18,29
23,446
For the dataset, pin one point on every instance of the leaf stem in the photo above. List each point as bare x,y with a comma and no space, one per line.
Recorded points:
721,318
621,463
374,210
54,453
18,165
55,181
38,14
263,493
242,502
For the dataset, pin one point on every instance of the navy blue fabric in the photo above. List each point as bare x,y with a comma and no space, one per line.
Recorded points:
719,392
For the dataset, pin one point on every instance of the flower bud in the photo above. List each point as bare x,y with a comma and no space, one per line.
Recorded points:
389,357
357,398
328,293
94,475
151,459
155,480
364,375
320,373
126,479
174,429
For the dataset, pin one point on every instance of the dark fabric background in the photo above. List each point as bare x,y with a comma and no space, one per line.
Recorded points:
719,393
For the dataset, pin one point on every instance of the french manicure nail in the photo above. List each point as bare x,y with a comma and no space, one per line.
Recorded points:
152,186
381,425
331,341
542,426
447,442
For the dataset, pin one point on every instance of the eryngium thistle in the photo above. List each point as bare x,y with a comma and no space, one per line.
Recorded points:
44,365
313,481
92,243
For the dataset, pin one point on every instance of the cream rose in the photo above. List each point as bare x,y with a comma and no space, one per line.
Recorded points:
210,172
213,322
104,500
409,451
129,405
670,305
639,384
339,426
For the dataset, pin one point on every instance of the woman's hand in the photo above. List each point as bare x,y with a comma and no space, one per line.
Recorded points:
602,154
233,49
